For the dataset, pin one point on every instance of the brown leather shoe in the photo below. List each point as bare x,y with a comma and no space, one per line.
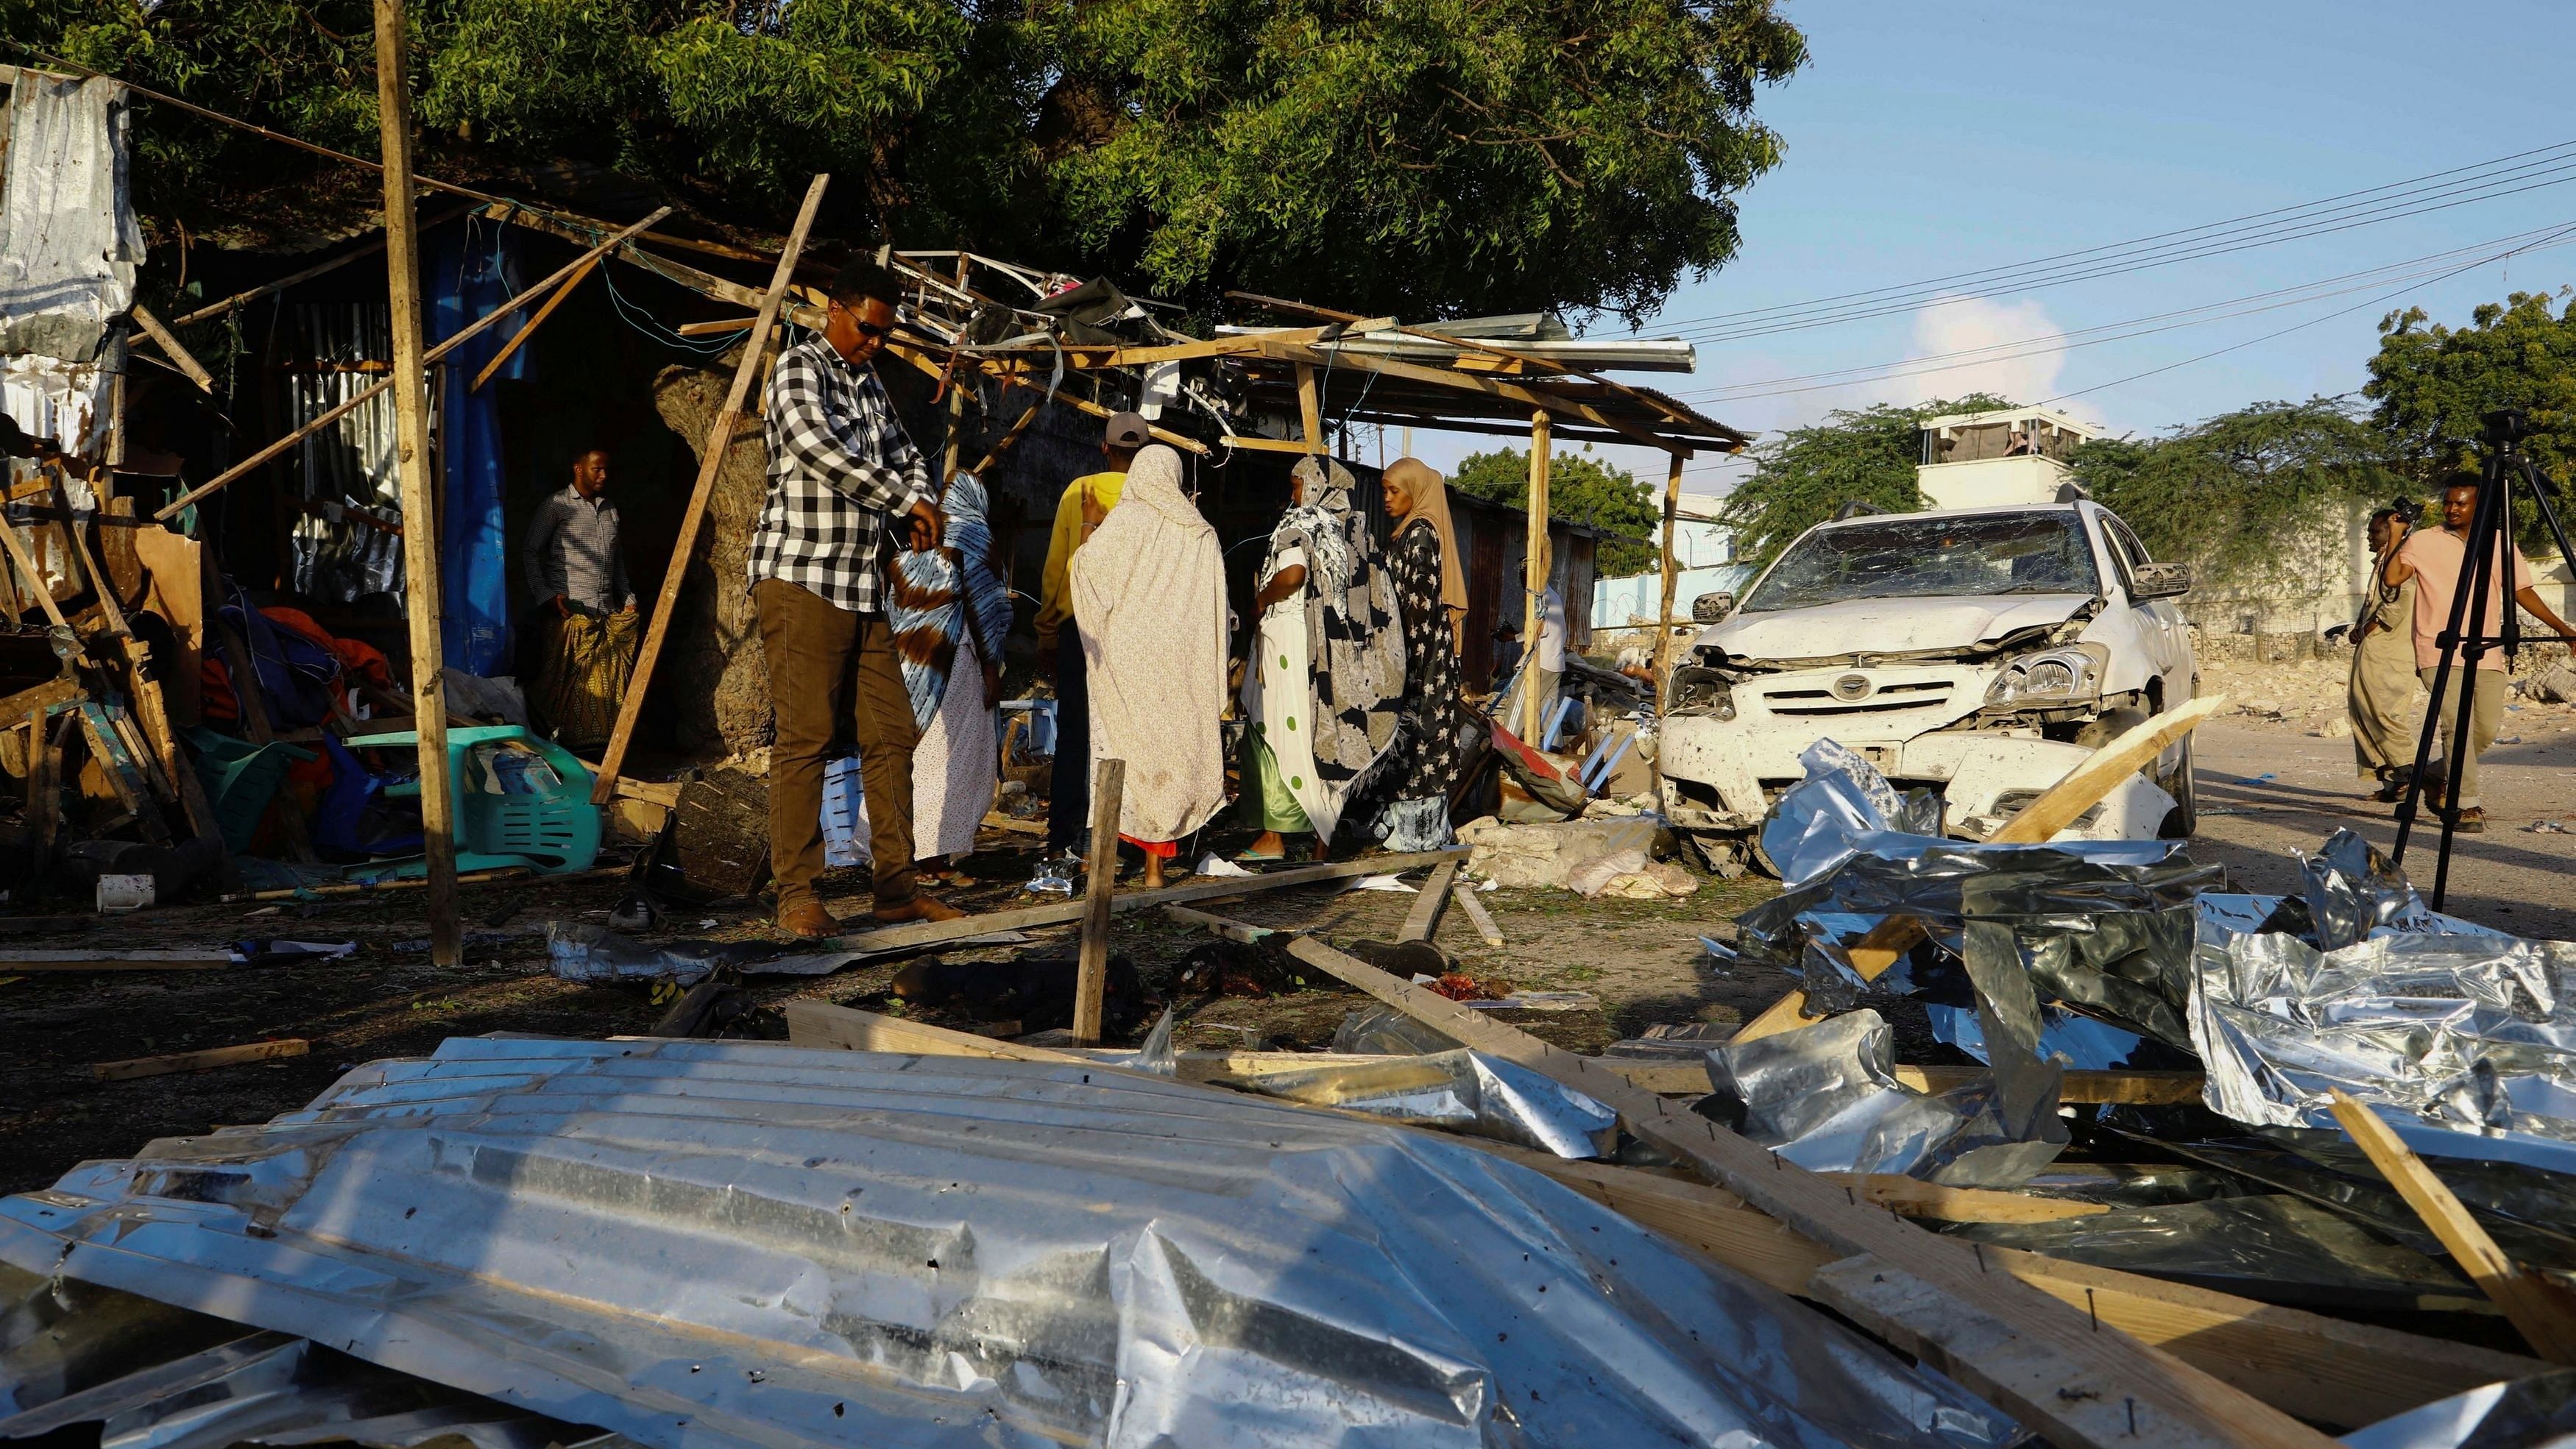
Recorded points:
919,908
2472,821
805,919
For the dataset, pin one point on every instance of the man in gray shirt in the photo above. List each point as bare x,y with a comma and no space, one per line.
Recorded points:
571,554
586,612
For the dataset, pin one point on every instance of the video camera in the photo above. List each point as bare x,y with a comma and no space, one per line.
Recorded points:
2408,511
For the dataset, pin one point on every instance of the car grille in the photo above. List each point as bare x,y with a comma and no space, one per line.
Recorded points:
1899,694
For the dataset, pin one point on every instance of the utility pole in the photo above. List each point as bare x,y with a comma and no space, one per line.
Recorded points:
419,502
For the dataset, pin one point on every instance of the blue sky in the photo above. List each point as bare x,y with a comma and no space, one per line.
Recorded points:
1927,140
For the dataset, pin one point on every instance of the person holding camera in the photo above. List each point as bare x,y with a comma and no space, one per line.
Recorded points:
2381,695
2435,559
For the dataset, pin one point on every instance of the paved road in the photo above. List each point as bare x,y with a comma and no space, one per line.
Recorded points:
2510,878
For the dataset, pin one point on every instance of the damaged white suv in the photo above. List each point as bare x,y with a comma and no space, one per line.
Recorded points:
1981,651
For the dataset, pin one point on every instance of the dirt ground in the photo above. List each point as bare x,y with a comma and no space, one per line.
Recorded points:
2268,786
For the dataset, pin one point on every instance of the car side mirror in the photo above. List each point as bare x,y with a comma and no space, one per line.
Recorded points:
1713,608
2161,581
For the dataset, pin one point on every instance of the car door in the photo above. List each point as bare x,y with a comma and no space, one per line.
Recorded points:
2161,623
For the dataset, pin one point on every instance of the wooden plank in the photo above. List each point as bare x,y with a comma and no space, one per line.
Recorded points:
2038,823
1474,902
1310,409
2017,1347
710,463
1534,574
171,348
1664,615
2137,1088
1917,1199
351,404
198,1061
2540,1310
1091,982
932,933
421,582
821,1024
106,959
1474,382
1422,922
177,774
528,329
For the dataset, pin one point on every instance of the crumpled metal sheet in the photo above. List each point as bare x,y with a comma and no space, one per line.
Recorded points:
703,1244
1463,1091
2465,1042
2534,1413
1825,1096
69,242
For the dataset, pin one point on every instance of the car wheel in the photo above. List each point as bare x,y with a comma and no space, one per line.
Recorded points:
2183,785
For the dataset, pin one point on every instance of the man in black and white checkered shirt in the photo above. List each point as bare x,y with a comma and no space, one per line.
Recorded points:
842,473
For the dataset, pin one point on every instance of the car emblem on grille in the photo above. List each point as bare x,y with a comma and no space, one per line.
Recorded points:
1852,688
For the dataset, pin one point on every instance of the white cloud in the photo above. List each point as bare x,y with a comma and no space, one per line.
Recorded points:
1951,325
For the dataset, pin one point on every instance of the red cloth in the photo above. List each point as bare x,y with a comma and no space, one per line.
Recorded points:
361,659
1164,848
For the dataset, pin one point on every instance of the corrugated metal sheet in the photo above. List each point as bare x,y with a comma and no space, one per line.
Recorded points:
702,1244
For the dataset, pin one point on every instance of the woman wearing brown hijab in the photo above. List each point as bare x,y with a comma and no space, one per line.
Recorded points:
1431,590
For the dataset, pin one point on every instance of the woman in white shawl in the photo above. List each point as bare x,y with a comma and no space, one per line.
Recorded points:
1149,597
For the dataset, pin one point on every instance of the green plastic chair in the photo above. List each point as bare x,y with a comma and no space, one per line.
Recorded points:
240,779
553,830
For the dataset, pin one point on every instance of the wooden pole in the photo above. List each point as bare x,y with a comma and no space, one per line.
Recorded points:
1310,408
710,462
1091,979
1534,571
1664,614
419,498
529,328
956,403
169,345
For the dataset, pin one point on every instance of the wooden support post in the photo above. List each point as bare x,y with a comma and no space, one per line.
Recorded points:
1534,572
419,498
710,463
1091,981
2056,808
170,348
1423,921
529,328
1310,408
956,402
1664,613
2543,1312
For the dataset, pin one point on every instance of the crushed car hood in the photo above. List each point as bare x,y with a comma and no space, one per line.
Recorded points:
1887,626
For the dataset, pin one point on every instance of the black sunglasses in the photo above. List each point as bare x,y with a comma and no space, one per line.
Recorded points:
864,329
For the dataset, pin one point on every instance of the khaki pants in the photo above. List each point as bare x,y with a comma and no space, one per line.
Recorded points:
2486,714
2382,702
826,666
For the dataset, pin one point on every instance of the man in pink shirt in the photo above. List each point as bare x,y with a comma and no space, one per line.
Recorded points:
2435,559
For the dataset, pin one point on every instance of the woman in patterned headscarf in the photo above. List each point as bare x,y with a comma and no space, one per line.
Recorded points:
950,612
1432,593
1327,673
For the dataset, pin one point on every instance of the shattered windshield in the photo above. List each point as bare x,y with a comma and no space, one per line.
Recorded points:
1920,558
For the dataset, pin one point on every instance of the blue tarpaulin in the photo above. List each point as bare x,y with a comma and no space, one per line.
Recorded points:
474,272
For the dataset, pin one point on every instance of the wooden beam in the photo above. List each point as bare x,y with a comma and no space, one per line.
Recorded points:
198,1061
1918,1199
149,707
2540,1310
529,328
123,959
2134,1087
931,933
2020,1349
1473,382
351,404
1091,982
1422,922
2056,808
170,347
921,360
1310,408
821,1024
1474,903
1534,572
421,582
243,299
1664,633
710,463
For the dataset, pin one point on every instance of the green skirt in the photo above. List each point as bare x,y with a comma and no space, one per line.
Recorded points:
1267,802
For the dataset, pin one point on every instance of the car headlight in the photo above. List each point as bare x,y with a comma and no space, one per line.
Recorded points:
1697,690
2052,676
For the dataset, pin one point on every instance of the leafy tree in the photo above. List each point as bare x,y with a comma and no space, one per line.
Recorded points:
1414,156
1805,475
1580,488
2431,384
2258,493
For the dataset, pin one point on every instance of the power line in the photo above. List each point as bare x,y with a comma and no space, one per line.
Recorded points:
1952,278
2124,330
2137,262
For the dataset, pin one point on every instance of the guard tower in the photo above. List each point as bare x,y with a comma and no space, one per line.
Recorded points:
1982,460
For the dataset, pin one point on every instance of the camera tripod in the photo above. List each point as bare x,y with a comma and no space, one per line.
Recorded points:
2465,638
